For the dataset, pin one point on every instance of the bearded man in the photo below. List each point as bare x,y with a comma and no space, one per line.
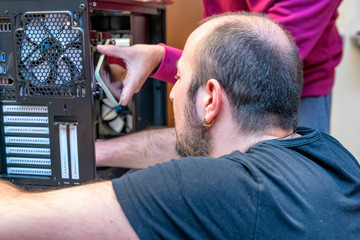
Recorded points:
246,172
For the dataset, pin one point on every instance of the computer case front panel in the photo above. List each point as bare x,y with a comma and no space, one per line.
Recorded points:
49,111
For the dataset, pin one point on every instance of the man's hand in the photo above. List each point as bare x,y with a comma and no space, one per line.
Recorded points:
113,75
140,60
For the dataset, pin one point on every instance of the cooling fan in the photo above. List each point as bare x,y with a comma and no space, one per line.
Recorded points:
50,54
118,118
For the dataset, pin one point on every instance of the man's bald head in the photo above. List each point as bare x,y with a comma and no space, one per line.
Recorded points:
257,63
259,24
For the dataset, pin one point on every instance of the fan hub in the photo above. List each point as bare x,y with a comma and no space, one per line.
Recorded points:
50,49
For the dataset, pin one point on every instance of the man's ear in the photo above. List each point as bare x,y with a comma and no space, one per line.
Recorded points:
213,99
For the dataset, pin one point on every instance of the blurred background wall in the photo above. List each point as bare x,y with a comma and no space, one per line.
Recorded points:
345,119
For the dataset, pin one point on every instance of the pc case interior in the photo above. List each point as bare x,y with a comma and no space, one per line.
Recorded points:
51,108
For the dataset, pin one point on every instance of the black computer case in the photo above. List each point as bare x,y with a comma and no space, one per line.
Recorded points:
51,108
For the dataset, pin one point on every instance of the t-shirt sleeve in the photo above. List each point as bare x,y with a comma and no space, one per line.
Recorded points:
185,199
167,69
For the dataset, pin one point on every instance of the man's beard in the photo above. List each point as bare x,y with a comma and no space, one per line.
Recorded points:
196,139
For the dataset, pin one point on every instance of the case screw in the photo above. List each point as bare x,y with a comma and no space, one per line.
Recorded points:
82,6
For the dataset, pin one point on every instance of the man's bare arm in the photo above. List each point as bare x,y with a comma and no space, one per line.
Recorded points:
85,212
138,150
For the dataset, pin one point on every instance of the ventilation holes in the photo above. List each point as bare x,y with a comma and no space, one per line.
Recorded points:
50,55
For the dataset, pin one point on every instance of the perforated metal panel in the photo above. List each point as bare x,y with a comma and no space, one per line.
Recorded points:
45,86
50,55
7,93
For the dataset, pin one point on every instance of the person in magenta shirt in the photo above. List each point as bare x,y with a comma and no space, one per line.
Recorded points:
311,24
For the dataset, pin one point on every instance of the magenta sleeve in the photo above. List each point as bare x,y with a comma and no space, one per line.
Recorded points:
312,25
306,20
167,69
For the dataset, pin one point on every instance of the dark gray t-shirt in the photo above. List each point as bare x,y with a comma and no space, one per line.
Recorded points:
303,188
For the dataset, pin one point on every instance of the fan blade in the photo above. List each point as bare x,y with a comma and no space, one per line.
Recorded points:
74,71
117,124
73,44
30,54
41,72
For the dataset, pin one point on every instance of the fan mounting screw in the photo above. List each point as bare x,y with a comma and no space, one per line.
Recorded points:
82,6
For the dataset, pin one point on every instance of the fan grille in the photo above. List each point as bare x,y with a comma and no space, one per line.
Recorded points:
50,55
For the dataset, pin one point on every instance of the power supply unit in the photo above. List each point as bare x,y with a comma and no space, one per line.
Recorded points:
51,108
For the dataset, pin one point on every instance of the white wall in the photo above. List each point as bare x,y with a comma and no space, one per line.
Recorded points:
345,125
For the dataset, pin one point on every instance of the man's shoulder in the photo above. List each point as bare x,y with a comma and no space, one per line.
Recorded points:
233,163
